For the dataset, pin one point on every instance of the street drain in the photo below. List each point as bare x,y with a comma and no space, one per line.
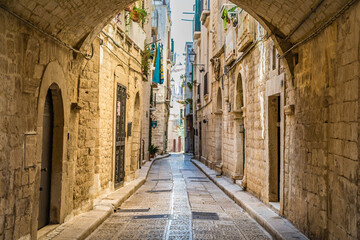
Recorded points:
164,216
133,210
161,179
159,191
205,215
197,177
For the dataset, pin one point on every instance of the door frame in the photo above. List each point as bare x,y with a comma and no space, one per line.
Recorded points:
117,185
275,88
54,79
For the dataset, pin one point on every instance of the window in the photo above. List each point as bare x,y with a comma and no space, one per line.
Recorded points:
274,58
206,84
198,94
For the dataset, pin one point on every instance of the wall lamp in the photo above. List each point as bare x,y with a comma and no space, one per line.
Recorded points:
192,56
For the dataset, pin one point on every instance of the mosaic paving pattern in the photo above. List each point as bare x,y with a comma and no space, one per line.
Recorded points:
177,174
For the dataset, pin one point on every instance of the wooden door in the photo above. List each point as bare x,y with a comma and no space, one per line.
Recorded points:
45,177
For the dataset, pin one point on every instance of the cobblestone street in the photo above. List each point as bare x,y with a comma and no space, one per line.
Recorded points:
171,205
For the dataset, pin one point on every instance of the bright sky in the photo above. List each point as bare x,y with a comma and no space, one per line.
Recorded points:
181,31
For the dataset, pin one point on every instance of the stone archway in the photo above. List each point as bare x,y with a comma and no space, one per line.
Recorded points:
51,160
135,135
286,22
51,91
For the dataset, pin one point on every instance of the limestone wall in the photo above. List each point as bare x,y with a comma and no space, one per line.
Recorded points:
83,96
321,154
319,114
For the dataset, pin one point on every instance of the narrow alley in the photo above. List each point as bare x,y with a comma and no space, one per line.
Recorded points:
179,119
179,202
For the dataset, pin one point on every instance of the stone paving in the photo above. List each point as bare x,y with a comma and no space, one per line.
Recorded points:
164,208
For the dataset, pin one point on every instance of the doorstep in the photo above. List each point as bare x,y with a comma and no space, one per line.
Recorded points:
84,224
277,226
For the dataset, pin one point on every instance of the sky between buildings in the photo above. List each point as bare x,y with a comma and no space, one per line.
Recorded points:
181,31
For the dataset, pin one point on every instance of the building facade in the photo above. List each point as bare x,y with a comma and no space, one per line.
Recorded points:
78,134
188,97
161,33
176,139
272,128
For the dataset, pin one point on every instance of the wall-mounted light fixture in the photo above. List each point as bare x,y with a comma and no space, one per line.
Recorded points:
192,56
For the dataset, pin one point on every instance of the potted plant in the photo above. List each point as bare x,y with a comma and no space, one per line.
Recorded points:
145,65
129,7
153,150
138,14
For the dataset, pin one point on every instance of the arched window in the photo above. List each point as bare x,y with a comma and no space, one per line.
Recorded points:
219,100
239,99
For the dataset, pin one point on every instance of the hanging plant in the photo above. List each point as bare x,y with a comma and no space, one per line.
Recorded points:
189,85
138,14
227,19
145,61
129,7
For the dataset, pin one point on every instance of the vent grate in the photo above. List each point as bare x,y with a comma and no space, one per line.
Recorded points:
161,216
159,191
197,177
133,210
205,216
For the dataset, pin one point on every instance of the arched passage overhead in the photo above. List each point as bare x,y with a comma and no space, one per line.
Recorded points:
291,22
74,22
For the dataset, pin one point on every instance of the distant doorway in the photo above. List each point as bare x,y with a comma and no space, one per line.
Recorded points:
200,143
274,148
51,158
219,127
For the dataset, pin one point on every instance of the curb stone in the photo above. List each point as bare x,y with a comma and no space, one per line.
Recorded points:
277,226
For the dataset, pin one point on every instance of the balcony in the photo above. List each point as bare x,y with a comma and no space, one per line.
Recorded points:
246,30
133,30
205,11
196,22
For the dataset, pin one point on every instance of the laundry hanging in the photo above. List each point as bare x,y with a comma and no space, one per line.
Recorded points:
159,69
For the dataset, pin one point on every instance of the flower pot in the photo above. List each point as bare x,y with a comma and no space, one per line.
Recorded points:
130,7
135,17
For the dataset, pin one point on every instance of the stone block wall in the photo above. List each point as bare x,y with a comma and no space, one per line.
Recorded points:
319,182
321,154
30,63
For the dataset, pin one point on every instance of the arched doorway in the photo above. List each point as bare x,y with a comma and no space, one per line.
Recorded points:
239,146
135,135
218,131
51,159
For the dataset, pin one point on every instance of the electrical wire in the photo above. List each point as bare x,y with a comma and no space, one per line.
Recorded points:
128,65
119,46
313,10
85,55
